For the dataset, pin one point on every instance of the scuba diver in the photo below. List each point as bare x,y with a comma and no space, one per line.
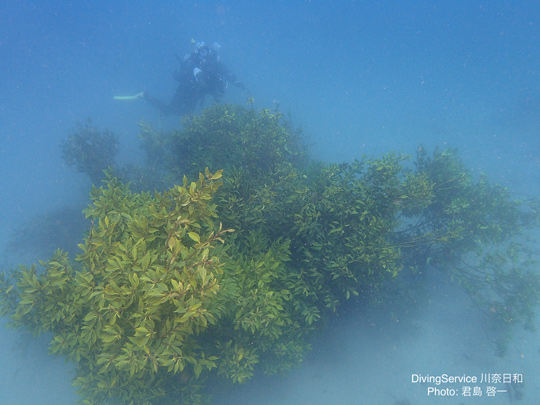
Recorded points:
200,73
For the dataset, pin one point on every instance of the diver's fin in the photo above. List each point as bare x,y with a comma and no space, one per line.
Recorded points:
127,98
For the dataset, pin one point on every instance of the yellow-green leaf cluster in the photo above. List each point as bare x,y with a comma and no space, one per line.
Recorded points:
146,289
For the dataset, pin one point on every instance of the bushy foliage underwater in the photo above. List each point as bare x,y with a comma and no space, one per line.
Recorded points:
219,277
90,150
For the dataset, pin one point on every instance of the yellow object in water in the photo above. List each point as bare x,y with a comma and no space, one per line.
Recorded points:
135,97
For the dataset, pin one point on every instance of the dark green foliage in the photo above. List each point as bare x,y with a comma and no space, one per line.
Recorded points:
477,233
226,137
166,298
339,233
265,321
470,214
90,150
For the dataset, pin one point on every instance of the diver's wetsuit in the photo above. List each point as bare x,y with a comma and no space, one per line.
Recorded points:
196,77
184,101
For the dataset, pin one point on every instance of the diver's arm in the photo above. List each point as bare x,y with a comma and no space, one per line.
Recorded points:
228,76
231,78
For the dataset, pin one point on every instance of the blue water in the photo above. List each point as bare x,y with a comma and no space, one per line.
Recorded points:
360,77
